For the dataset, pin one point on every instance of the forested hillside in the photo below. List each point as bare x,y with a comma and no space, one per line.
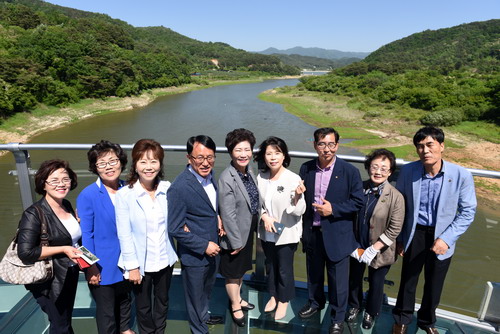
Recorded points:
440,77
56,55
314,63
473,45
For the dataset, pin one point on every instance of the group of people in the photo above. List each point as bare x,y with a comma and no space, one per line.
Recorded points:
344,224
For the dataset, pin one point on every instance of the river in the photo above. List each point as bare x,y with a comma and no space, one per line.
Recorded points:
216,111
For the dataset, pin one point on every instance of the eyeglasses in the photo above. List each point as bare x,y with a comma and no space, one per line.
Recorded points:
382,170
199,159
55,183
322,145
111,163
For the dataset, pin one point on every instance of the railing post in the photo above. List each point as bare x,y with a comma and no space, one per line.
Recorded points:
260,268
22,159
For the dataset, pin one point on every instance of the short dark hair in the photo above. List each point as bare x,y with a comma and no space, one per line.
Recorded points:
381,153
202,139
322,132
279,144
428,131
48,167
237,136
100,149
142,146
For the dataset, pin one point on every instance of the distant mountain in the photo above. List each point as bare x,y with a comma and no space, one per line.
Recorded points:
475,45
316,52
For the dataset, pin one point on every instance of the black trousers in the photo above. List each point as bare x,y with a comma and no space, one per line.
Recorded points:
198,283
417,257
279,268
112,307
337,274
60,311
151,301
376,278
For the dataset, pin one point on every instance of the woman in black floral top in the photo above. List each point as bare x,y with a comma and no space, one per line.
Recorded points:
239,209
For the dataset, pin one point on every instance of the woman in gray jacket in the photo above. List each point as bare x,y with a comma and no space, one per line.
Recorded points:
379,222
239,208
281,229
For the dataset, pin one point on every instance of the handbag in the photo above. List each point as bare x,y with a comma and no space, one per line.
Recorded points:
14,271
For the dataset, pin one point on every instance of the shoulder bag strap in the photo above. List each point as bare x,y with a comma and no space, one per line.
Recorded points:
44,235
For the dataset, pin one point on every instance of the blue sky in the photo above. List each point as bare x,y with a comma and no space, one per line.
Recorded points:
348,25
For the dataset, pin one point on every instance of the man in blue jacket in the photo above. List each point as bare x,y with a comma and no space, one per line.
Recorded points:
440,205
334,194
193,221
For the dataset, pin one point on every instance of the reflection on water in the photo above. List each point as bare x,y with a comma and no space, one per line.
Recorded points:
216,111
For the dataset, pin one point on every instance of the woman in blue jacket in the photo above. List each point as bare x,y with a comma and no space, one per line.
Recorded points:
96,209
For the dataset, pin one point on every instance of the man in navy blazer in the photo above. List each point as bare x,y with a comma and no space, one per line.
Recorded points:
334,194
440,205
193,221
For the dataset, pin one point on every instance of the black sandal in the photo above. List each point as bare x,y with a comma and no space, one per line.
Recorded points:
247,307
238,321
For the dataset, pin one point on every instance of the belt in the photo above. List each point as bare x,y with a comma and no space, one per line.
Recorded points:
429,229
316,228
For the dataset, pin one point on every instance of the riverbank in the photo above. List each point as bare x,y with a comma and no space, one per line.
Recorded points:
321,109
315,109
24,126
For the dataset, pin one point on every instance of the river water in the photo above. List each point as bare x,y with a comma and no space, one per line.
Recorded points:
216,111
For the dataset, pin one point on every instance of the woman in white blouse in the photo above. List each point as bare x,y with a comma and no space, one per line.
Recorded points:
147,252
281,221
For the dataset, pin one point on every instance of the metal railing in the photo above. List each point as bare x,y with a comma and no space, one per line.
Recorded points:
23,164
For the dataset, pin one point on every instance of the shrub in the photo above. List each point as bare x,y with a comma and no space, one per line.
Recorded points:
442,118
425,98
371,114
59,94
474,112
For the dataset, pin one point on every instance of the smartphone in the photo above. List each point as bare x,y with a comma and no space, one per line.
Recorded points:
279,227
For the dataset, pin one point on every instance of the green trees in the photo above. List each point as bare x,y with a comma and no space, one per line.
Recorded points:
56,55
449,99
19,15
448,76
473,45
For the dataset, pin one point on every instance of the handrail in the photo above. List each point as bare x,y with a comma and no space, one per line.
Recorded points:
13,147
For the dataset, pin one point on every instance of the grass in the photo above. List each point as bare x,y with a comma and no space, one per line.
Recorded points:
480,129
406,152
374,140
305,111
353,116
19,122
485,185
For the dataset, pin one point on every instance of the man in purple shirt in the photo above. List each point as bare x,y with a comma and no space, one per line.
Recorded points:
334,194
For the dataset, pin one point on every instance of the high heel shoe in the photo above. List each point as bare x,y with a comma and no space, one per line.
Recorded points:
247,307
238,321
281,311
128,331
269,309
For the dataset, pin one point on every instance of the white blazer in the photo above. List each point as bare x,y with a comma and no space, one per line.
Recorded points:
283,208
131,226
